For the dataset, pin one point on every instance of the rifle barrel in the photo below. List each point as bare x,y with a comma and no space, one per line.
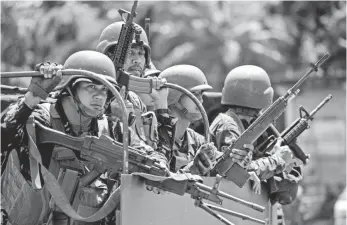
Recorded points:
230,212
314,68
230,197
325,101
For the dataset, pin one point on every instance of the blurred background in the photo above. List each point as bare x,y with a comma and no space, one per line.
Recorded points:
283,37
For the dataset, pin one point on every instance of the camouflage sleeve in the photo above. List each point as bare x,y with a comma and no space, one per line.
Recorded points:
267,167
224,133
196,141
166,133
13,127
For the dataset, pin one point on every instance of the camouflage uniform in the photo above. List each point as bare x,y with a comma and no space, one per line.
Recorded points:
15,140
226,129
148,126
192,147
247,90
184,150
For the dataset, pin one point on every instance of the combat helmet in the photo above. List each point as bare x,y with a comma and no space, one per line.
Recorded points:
247,86
189,77
109,38
91,61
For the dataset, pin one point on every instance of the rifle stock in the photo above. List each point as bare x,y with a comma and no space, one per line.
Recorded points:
234,171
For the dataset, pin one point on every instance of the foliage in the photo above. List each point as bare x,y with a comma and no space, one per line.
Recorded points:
216,36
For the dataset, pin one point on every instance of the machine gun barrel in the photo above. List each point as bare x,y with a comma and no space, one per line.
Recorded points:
205,207
233,213
230,197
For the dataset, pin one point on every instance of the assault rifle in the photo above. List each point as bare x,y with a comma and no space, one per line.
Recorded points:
125,40
290,134
234,171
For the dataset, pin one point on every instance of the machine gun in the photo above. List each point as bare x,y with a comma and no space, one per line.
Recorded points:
107,155
104,152
290,134
181,184
234,171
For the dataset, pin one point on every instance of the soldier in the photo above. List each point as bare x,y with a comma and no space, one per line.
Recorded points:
77,111
138,63
189,145
247,90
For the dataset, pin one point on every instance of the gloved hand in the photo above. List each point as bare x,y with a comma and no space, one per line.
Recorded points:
159,95
283,152
256,184
204,160
42,86
242,156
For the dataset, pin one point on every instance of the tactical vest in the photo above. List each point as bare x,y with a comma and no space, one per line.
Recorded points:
146,122
18,194
67,169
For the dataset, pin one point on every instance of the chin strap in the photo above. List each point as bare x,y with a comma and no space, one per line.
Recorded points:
192,117
81,107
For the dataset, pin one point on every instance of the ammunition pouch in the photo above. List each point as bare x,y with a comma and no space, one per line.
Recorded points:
282,189
17,196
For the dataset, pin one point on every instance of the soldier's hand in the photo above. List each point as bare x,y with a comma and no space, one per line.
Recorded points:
256,184
283,152
205,158
42,86
243,156
159,94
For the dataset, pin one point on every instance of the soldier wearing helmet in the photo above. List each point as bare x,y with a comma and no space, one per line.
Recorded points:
139,63
78,110
189,145
247,90
139,58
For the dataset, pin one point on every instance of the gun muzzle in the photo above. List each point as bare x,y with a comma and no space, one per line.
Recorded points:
325,101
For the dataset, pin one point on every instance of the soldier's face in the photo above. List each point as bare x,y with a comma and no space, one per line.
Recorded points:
136,60
189,104
92,96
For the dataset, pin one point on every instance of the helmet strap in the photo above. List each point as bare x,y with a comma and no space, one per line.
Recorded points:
192,117
80,107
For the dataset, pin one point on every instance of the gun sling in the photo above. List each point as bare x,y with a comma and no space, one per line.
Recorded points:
55,189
